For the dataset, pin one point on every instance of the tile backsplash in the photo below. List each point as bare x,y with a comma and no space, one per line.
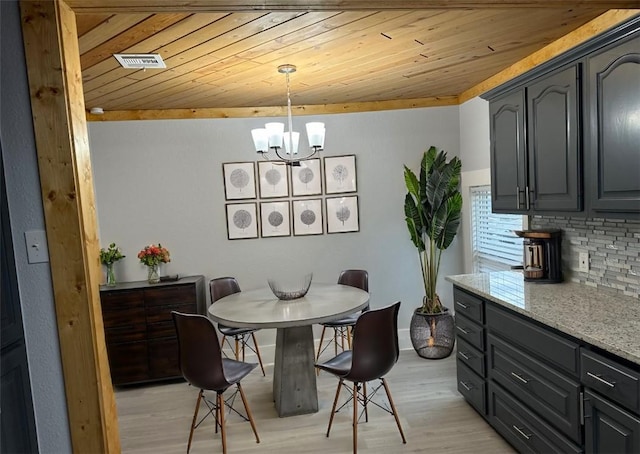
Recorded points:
613,247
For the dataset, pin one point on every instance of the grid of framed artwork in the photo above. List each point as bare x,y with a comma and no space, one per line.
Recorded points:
271,199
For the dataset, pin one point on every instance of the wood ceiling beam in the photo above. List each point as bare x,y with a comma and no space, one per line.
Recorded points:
62,144
277,111
130,6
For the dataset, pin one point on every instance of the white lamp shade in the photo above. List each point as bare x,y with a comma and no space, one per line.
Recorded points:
260,139
315,134
295,138
275,132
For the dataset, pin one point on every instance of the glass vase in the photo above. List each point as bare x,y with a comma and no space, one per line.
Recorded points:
111,277
153,273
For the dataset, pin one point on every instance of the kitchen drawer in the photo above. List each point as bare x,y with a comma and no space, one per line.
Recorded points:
521,427
128,362
168,296
471,356
126,315
615,381
164,359
472,388
156,314
559,351
120,300
470,331
468,304
550,394
125,332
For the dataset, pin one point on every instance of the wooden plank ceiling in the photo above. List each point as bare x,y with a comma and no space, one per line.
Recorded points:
227,60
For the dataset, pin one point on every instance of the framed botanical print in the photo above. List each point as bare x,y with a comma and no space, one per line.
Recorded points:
306,179
239,180
340,174
342,214
242,221
307,217
273,178
275,219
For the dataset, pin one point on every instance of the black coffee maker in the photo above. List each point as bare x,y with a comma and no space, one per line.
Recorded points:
541,253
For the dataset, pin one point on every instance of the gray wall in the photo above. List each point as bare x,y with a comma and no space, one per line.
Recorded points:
25,208
161,181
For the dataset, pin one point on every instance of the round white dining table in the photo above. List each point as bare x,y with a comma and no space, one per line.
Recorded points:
294,378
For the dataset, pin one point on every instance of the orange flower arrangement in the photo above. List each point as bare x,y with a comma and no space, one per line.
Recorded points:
154,255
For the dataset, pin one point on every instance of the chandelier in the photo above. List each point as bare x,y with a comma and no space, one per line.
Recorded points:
273,136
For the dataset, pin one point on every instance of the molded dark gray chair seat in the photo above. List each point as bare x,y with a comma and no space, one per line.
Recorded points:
203,366
342,327
375,352
219,288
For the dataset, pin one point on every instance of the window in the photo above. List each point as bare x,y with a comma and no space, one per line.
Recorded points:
494,246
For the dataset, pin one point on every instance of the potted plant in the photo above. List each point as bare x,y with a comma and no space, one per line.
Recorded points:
108,257
432,208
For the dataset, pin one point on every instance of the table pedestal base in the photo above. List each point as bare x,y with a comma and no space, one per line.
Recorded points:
294,378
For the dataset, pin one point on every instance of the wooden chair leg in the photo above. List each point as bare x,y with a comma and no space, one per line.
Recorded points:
249,415
355,418
335,341
193,421
223,432
349,334
320,348
393,408
237,349
335,404
255,344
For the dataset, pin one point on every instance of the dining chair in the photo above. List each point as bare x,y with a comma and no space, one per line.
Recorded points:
219,288
375,352
342,327
203,366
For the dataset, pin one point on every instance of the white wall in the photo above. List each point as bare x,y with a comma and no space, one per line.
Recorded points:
474,153
161,181
26,212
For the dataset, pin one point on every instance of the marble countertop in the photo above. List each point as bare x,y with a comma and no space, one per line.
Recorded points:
600,317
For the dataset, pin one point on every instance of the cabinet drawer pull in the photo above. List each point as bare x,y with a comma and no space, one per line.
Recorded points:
462,330
519,430
518,196
464,355
464,306
519,377
465,386
601,380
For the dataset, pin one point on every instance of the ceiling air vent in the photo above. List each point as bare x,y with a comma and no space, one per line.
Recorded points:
140,61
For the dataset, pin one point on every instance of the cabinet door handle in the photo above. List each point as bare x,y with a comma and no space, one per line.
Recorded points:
519,430
519,377
464,306
581,408
601,380
526,196
465,386
462,330
518,196
464,355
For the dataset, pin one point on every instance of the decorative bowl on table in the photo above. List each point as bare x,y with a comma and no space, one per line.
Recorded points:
290,287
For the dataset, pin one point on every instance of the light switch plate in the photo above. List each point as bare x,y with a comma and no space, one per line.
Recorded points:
583,262
37,251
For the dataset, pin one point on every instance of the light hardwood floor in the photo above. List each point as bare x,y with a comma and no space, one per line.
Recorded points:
435,418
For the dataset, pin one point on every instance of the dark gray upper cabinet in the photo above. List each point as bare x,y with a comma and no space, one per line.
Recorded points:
613,138
553,117
508,152
565,137
535,153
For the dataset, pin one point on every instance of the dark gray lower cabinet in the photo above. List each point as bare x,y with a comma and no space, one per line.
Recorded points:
609,428
542,390
521,427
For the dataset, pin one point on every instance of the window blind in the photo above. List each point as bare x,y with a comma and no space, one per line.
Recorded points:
494,245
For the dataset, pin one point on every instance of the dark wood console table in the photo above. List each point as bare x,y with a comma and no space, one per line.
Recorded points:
139,332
